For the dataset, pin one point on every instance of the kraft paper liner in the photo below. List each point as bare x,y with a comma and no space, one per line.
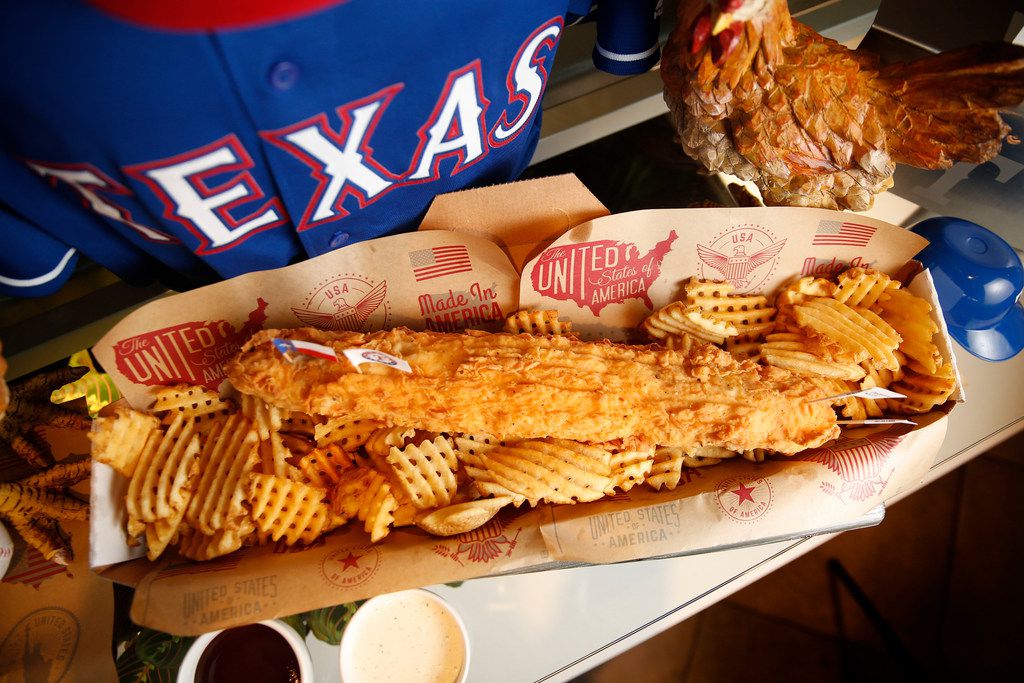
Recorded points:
56,622
188,598
639,260
523,223
749,500
646,255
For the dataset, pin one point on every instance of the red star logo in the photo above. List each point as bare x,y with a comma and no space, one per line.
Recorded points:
350,561
743,493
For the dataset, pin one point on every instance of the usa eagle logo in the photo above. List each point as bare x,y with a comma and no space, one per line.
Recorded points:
738,267
350,316
859,464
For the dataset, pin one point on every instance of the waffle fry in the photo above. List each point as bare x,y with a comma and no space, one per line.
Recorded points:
798,354
458,519
274,455
472,460
863,287
748,313
883,328
755,455
705,293
405,513
158,488
537,323
679,318
118,441
874,377
860,332
376,508
923,390
266,418
191,401
348,434
161,533
743,348
228,456
797,292
426,473
550,470
750,324
324,467
911,317
289,510
299,424
380,442
628,468
802,289
350,489
852,407
297,444
202,547
706,455
666,469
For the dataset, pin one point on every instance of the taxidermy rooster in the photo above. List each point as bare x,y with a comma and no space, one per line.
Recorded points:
758,95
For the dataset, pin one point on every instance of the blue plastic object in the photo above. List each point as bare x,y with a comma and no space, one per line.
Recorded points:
979,279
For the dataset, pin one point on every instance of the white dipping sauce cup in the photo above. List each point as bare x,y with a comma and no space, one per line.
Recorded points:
187,671
386,629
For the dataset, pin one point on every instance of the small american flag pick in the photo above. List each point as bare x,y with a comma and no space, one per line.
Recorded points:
873,393
287,347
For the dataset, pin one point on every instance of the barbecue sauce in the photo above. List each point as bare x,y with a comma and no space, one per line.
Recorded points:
248,654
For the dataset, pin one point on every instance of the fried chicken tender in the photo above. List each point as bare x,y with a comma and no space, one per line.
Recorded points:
521,387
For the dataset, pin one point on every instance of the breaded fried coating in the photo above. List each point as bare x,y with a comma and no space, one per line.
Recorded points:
522,387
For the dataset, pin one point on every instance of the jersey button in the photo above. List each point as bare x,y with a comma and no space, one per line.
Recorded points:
283,75
338,239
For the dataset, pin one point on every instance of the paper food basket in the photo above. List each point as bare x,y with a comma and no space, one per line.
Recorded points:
461,270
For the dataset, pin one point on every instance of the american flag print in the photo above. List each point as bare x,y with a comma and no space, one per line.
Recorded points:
842,233
428,264
35,570
286,346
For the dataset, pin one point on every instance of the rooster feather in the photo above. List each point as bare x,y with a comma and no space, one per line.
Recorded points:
758,95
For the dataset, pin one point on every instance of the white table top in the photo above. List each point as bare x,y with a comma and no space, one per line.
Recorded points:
553,626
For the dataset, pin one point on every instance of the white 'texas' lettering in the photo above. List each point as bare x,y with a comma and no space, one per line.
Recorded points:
455,127
204,210
342,165
526,80
342,162
88,181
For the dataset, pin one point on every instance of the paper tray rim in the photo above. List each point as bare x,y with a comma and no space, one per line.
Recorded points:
872,517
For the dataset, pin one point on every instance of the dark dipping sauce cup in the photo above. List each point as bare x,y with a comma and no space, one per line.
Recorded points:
248,654
259,653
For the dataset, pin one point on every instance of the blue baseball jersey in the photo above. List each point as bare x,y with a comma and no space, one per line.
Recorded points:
199,153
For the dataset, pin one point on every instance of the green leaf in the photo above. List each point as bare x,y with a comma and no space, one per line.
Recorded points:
131,669
162,650
455,584
296,622
329,623
163,675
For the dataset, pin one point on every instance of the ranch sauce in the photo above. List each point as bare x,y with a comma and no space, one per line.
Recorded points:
405,636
